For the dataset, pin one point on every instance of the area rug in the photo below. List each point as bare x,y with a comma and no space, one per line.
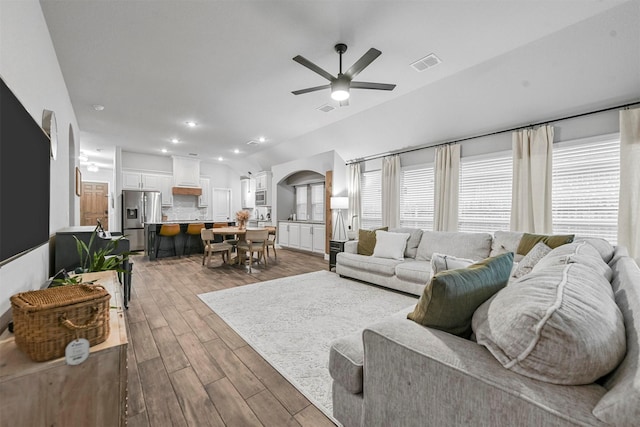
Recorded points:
292,321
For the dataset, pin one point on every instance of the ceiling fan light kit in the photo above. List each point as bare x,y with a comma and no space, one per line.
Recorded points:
342,84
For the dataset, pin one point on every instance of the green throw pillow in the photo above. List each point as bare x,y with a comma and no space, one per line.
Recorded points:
367,240
528,241
452,296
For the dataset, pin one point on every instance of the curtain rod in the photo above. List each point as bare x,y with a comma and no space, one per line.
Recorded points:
423,147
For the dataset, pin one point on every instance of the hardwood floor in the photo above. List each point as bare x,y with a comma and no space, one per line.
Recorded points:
187,367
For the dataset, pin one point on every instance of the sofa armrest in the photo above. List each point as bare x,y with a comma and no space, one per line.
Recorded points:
418,373
351,246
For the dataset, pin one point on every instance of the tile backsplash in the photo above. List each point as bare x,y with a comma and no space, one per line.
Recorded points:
185,208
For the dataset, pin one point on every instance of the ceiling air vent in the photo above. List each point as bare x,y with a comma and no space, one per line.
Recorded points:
326,108
428,61
252,142
193,154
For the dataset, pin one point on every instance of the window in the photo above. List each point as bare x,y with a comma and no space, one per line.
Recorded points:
371,199
586,181
416,197
317,202
485,192
301,202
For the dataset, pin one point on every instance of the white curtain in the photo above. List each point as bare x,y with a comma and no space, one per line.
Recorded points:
531,191
629,203
391,191
355,209
447,188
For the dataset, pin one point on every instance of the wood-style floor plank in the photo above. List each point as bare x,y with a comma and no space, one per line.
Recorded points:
188,367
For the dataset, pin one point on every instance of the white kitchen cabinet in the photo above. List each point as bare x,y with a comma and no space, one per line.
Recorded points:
203,199
247,193
263,180
283,233
151,182
318,238
186,172
294,235
131,181
166,182
306,237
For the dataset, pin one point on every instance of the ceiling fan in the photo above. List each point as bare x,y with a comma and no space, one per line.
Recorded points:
341,84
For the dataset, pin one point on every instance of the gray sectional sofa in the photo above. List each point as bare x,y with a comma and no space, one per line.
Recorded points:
400,373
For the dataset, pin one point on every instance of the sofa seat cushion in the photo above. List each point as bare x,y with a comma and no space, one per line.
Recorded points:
414,271
559,325
474,246
383,266
451,297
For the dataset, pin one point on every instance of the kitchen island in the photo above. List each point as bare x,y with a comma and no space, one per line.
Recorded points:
151,231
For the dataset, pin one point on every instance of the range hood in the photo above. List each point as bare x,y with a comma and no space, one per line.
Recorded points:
187,191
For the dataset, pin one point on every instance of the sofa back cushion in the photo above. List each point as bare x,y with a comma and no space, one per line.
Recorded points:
506,241
474,246
415,234
559,324
621,404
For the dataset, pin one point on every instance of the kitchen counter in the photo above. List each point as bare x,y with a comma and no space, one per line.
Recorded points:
301,221
151,230
183,221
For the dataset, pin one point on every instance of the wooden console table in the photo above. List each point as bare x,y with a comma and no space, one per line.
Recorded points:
50,393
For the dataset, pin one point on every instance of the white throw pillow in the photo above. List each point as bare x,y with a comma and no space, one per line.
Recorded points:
441,262
531,259
390,245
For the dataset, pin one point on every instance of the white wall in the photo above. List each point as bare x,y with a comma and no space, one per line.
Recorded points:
29,66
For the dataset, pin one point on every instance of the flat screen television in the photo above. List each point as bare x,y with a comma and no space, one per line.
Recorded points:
24,179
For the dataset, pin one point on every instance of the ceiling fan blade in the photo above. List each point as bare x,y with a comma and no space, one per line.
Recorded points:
368,85
363,62
313,67
310,89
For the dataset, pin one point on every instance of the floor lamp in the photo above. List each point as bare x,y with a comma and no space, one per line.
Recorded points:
339,230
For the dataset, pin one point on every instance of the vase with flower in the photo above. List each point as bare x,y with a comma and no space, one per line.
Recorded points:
242,217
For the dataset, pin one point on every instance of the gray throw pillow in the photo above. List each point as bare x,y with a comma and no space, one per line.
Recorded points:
450,298
531,259
559,324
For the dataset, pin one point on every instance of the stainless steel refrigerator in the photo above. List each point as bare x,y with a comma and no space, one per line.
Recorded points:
139,208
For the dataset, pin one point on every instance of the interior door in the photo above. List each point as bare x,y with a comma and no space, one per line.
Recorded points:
94,204
221,204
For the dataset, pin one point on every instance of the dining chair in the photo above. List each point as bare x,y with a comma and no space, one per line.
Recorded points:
211,247
271,241
255,241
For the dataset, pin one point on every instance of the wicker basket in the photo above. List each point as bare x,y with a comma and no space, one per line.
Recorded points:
45,321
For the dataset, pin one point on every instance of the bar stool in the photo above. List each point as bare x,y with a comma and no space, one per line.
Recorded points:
192,230
168,231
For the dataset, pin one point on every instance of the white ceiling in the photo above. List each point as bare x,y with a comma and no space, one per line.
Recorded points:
228,66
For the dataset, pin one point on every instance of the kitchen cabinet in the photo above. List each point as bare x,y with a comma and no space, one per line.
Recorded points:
263,180
306,237
143,181
205,197
247,193
318,238
166,182
294,235
283,233
186,172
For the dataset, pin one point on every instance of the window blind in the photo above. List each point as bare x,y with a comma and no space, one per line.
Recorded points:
301,202
317,202
371,199
586,181
416,197
485,192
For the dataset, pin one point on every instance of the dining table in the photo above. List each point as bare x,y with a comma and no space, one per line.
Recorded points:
239,233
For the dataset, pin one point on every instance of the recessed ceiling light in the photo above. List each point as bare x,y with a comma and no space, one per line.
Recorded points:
92,168
191,124
98,107
261,139
236,151
175,140
220,159
164,150
83,157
